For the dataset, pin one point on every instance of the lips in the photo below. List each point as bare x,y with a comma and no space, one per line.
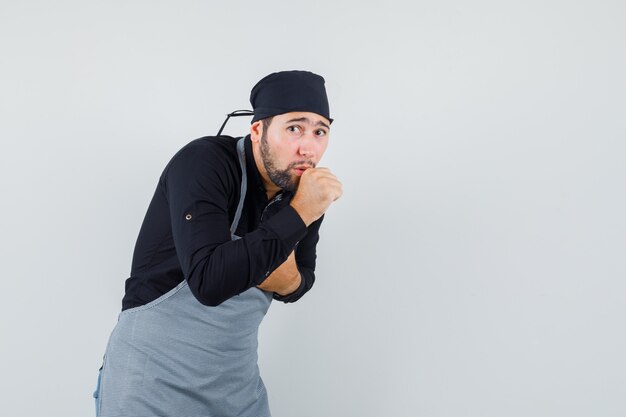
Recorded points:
299,170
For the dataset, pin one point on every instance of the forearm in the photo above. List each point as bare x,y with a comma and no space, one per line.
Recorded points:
285,279
218,273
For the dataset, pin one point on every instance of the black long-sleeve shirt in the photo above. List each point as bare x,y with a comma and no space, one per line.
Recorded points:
186,231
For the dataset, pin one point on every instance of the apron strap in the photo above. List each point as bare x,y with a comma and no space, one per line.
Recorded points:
236,113
244,186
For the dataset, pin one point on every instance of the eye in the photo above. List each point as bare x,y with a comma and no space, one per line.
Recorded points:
293,129
320,132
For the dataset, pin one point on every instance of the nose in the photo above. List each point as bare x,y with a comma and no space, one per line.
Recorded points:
307,146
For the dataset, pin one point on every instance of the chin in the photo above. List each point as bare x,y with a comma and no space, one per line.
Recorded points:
293,185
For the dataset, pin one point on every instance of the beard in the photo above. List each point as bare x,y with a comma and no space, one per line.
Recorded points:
283,178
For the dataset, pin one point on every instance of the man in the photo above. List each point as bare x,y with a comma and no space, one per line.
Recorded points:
232,225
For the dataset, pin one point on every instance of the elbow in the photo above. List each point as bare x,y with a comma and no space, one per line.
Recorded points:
212,282
208,292
211,301
209,297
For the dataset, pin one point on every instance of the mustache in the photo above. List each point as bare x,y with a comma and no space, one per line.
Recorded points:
307,163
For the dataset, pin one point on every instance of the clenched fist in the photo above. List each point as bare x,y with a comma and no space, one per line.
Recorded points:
317,190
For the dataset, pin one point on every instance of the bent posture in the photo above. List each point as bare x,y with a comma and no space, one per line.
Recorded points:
233,225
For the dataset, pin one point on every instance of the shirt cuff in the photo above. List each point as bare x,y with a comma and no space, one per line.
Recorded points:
288,226
294,296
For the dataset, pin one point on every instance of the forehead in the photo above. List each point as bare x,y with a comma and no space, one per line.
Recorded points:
302,117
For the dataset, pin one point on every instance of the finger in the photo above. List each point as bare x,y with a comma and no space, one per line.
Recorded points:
325,175
321,171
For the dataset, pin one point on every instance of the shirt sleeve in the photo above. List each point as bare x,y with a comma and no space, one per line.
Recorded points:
198,185
305,260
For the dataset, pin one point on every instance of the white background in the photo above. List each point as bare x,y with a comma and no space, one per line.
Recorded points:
475,265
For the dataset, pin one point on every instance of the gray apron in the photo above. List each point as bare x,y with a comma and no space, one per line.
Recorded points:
175,357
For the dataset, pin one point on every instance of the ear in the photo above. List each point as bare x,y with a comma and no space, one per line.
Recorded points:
256,130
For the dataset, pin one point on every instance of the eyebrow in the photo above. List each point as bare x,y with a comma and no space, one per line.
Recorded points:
307,120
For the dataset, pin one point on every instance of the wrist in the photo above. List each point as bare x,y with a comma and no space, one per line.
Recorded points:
292,287
302,212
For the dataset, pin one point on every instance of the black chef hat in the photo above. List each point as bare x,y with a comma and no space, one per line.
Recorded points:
287,91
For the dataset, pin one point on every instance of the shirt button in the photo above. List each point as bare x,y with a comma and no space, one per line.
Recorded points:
188,216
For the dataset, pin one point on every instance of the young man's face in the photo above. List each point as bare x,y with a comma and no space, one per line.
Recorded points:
291,143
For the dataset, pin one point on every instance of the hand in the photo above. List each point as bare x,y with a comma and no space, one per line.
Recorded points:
285,279
317,190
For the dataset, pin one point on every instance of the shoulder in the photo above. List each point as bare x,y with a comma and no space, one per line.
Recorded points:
216,153
222,148
210,161
226,145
